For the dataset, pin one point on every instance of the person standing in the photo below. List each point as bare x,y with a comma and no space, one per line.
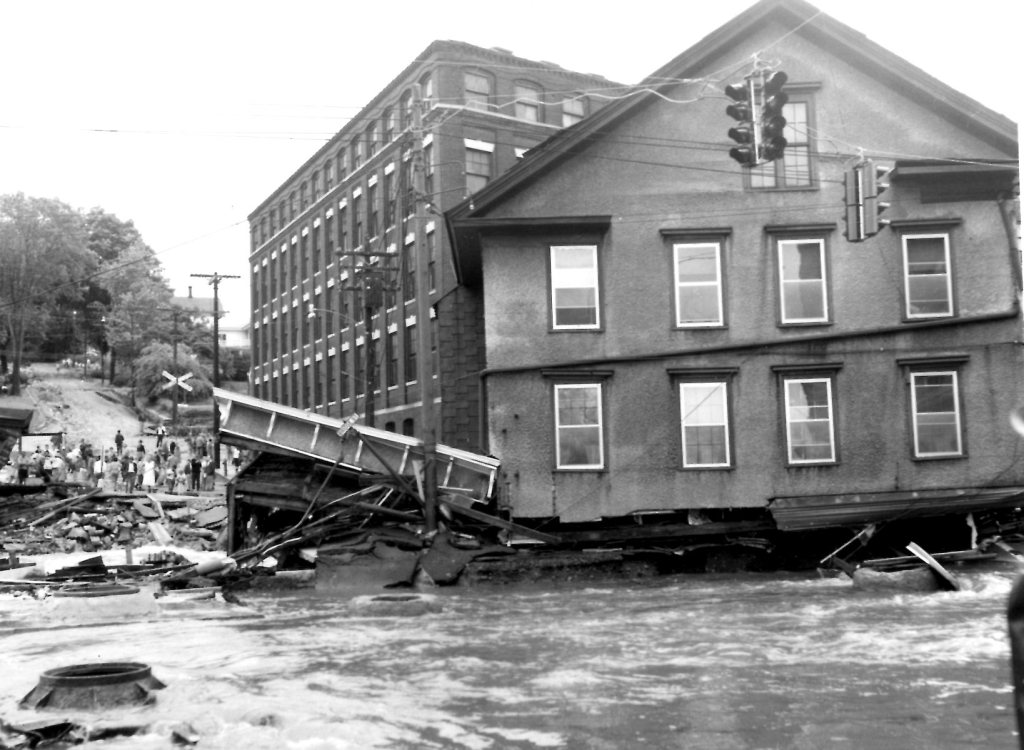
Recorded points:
149,474
130,474
196,468
118,442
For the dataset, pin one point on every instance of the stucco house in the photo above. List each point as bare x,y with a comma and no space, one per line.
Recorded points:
674,337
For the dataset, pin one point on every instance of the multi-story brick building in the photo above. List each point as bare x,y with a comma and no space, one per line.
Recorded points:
350,207
699,340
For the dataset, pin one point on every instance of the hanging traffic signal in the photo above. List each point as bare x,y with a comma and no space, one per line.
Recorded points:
772,123
744,111
853,183
873,208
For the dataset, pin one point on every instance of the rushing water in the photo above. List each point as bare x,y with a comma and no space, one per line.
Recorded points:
705,662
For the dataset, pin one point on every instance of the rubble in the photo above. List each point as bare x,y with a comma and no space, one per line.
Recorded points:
94,521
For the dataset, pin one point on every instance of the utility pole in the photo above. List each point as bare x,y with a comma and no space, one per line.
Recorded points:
215,279
174,349
424,362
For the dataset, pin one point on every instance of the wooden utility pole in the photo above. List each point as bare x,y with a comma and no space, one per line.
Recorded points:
424,360
215,279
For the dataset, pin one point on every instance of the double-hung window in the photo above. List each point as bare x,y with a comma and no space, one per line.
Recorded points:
810,422
479,164
935,409
573,110
574,287
579,426
698,284
803,282
704,408
527,102
795,168
927,279
477,90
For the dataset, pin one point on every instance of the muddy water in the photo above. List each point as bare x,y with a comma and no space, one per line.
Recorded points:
730,663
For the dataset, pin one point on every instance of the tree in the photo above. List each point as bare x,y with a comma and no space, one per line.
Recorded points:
45,257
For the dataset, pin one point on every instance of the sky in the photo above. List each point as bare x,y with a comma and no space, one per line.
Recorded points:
182,117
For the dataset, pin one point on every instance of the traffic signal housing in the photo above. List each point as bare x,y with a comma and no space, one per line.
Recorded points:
745,132
853,202
874,186
772,123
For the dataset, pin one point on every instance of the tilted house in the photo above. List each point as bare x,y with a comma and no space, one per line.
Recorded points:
671,335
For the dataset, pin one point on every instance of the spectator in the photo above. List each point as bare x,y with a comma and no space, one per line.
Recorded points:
118,442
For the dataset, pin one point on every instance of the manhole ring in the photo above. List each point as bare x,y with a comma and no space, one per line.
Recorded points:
94,686
92,590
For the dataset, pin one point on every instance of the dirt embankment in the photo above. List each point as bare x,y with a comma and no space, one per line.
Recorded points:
83,409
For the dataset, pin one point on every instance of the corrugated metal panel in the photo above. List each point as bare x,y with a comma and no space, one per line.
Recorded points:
282,429
822,511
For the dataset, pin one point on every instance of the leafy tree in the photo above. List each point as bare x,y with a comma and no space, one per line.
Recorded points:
44,251
157,357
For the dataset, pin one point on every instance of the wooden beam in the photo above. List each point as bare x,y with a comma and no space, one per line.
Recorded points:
501,523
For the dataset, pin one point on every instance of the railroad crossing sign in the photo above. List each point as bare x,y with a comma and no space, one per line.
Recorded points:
179,381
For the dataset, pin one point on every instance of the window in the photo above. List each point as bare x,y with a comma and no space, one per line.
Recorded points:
927,279
935,404
705,425
342,165
372,138
573,110
409,348
479,165
409,263
389,124
357,153
578,426
698,284
793,170
527,102
405,110
427,89
478,91
372,211
428,168
574,296
803,294
810,435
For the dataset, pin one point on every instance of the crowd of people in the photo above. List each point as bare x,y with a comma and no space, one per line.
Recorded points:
121,468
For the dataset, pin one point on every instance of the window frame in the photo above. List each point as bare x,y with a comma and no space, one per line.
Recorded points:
718,283
826,298
797,95
794,378
723,383
948,260
478,99
478,147
527,101
557,390
554,287
936,370
570,118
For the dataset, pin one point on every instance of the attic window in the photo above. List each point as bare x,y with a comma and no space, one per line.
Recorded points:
795,170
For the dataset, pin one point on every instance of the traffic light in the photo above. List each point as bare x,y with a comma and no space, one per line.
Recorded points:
772,123
854,202
873,207
744,111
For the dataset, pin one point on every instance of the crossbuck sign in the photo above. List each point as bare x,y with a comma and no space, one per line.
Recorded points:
179,381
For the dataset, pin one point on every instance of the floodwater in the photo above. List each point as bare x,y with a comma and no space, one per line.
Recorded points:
738,662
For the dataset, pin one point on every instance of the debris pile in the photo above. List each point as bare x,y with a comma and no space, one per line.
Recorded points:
93,522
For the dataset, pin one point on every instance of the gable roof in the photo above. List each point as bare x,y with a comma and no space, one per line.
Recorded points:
802,18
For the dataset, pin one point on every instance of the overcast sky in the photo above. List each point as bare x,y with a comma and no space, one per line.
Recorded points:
184,116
